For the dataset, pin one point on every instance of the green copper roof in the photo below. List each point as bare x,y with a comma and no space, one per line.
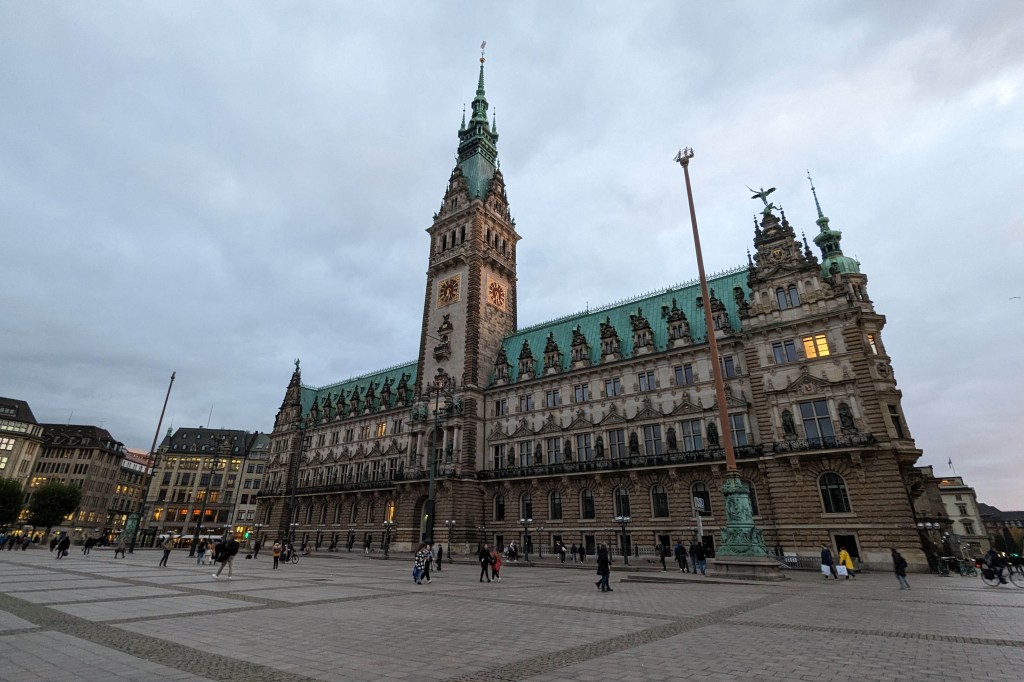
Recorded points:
395,373
650,305
828,241
478,150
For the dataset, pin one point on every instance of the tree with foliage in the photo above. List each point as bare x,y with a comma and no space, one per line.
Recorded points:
51,502
10,501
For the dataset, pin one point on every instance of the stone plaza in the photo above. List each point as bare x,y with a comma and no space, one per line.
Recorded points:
355,617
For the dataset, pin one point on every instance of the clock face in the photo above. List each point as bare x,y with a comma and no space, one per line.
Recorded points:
777,254
448,291
496,295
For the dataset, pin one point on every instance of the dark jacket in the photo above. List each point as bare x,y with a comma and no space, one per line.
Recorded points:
826,557
230,548
699,554
603,562
899,565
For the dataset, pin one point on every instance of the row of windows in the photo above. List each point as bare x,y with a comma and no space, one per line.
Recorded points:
834,499
814,346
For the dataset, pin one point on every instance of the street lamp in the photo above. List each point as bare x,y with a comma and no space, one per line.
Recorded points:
540,543
256,530
450,525
443,386
623,521
351,539
526,536
388,525
291,537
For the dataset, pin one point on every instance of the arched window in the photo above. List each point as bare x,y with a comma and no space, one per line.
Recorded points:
309,514
499,507
587,504
389,511
701,498
555,505
323,513
753,498
794,296
659,502
270,510
526,506
369,513
833,493
354,513
337,513
621,502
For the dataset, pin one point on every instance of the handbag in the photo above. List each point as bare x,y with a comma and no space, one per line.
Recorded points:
842,571
825,570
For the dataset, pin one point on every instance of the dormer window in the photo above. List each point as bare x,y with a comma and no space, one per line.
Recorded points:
787,297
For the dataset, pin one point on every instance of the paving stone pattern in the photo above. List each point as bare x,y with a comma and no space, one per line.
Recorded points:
351,617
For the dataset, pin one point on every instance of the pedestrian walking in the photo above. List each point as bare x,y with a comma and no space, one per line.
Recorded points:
440,555
899,565
662,551
87,546
847,562
420,562
228,550
62,545
572,552
256,549
700,557
121,547
604,569
561,552
484,556
53,541
828,564
496,564
583,553
167,545
275,551
201,552
680,553
427,564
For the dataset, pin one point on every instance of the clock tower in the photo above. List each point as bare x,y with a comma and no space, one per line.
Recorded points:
470,301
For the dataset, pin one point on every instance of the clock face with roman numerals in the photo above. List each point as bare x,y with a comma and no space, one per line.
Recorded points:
448,291
496,294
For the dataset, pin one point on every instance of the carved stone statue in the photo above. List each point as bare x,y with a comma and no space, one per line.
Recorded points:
538,454
788,427
712,434
634,444
599,448
567,451
670,437
846,417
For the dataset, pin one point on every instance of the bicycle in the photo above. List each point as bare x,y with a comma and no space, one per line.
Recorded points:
993,577
294,558
967,568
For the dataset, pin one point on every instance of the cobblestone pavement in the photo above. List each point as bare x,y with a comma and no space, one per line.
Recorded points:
350,617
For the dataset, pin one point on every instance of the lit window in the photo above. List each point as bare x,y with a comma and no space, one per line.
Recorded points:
382,429
6,443
872,344
815,346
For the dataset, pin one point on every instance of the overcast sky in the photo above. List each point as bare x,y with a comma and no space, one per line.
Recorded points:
218,188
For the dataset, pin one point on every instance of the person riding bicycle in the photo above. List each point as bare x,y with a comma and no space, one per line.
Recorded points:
995,563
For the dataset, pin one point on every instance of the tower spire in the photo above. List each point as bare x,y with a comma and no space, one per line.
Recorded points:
821,216
828,240
478,151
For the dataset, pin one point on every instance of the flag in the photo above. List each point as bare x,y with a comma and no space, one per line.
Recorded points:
950,462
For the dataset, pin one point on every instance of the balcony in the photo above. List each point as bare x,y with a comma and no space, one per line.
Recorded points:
408,474
829,443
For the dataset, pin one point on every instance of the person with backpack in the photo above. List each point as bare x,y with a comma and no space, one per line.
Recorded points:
226,556
899,565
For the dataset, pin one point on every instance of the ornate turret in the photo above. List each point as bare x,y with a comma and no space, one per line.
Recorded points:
478,150
828,241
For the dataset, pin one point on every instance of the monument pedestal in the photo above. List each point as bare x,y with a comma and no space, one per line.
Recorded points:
746,568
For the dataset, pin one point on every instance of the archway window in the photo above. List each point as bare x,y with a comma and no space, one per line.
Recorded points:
354,513
621,502
659,502
833,493
337,513
753,497
270,510
323,513
701,499
389,511
499,507
309,514
555,505
369,513
526,506
587,504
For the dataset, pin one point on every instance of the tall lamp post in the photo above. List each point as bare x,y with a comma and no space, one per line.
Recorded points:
623,521
526,536
739,535
388,526
450,525
256,527
442,387
291,535
540,542
350,539
131,526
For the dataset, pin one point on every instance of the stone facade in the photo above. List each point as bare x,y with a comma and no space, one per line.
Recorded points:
545,434
21,439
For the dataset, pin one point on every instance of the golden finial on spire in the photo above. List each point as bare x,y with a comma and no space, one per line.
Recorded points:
482,46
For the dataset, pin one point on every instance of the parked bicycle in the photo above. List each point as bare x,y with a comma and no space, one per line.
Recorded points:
967,567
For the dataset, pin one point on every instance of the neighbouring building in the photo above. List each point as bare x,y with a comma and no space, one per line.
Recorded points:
544,434
88,457
1003,530
967,529
131,483
197,478
245,524
21,439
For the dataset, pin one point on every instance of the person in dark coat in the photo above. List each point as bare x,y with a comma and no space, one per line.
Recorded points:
700,557
899,565
680,552
603,568
484,556
827,560
63,545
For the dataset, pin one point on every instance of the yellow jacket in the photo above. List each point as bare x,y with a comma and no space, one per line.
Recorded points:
845,560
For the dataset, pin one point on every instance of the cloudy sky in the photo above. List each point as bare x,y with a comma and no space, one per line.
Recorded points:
218,188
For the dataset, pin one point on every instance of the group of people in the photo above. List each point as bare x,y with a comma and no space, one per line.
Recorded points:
429,555
490,563
845,564
11,541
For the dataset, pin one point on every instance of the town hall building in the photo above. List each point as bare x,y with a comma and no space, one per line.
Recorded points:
603,426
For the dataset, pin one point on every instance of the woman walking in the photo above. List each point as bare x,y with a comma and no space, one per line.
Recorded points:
420,563
484,556
603,568
275,552
899,565
496,564
847,562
